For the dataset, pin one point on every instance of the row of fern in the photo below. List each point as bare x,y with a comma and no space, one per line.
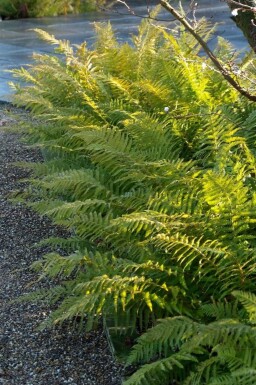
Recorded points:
150,164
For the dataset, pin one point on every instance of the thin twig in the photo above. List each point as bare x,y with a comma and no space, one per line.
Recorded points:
242,6
130,11
225,73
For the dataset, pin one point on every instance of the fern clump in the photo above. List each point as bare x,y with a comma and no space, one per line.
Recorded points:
190,352
150,164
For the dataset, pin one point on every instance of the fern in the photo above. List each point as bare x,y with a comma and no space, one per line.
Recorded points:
220,352
150,166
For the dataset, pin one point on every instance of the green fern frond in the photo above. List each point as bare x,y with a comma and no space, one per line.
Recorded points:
76,208
248,300
167,335
246,376
186,250
160,372
220,310
206,370
54,265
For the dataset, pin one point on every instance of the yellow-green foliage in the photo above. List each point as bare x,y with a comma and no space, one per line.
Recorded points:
38,8
150,163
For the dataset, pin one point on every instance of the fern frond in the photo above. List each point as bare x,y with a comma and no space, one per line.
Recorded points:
63,45
248,300
246,376
160,372
220,310
167,335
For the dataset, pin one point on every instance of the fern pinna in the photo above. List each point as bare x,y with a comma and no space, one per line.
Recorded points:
150,164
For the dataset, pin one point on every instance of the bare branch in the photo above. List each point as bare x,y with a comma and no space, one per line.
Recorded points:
242,6
226,74
131,11
127,6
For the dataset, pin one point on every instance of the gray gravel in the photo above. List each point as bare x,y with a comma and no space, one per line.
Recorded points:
27,356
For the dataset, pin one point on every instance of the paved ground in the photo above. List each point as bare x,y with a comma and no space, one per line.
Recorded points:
18,40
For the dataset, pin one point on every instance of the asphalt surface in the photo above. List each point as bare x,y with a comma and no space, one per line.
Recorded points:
18,41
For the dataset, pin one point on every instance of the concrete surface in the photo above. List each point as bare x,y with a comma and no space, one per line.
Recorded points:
18,40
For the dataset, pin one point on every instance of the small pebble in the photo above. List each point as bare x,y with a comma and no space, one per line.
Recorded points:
29,357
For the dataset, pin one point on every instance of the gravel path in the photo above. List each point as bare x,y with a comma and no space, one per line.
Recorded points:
27,356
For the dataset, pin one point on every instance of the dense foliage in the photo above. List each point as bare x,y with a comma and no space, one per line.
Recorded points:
13,9
150,164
